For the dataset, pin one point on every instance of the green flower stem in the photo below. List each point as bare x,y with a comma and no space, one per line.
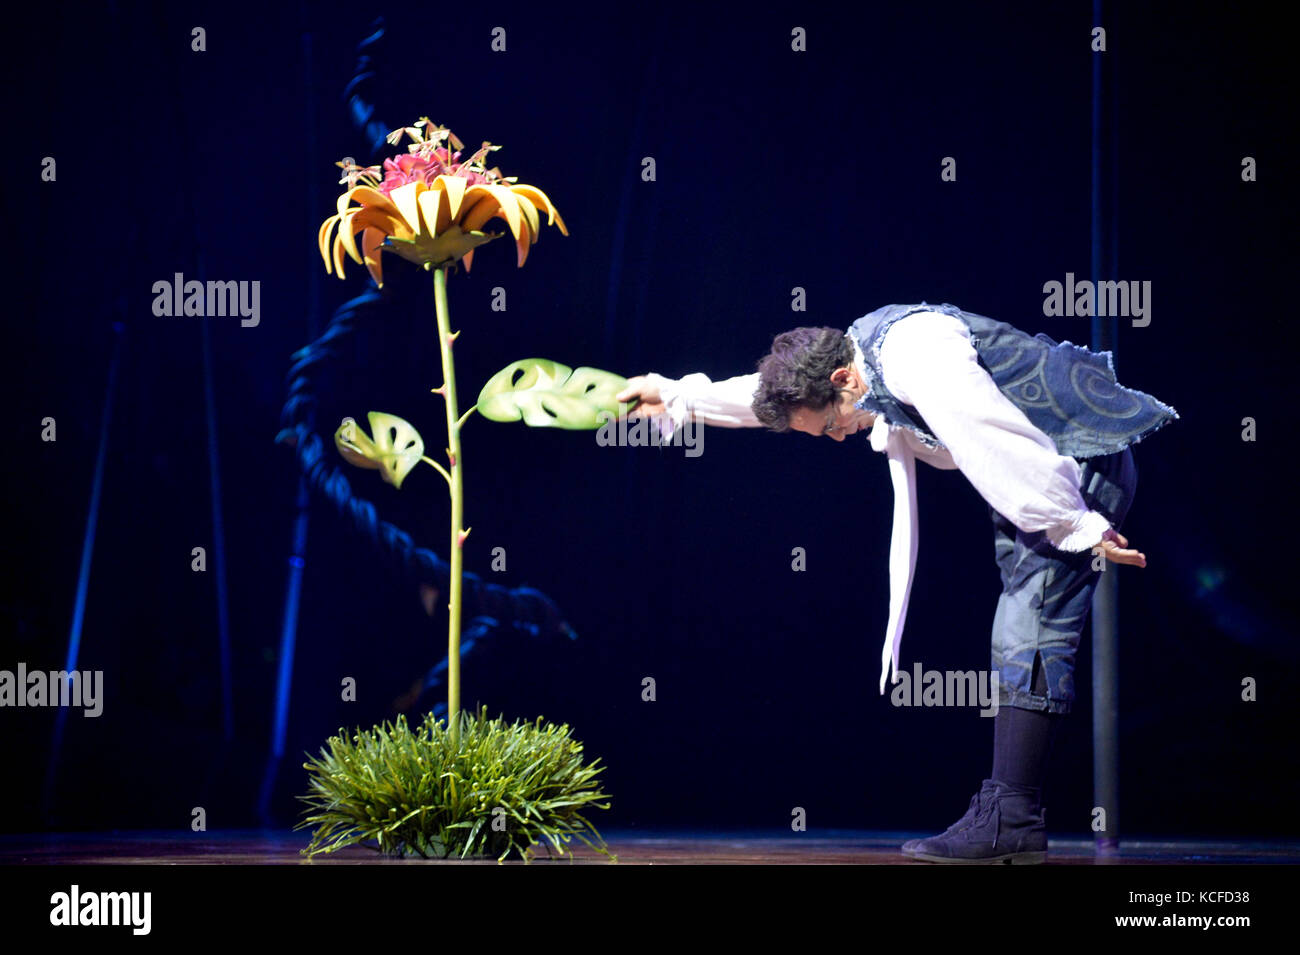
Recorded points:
465,416
445,340
437,467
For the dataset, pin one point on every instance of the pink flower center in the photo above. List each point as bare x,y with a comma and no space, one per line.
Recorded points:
425,166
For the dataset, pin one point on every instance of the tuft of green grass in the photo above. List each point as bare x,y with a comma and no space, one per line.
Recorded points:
502,789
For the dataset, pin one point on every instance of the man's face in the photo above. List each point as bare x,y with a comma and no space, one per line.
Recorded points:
838,419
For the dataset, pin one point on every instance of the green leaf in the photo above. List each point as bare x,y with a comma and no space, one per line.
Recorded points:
397,447
547,394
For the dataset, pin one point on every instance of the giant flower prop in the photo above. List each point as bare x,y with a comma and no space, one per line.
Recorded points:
429,206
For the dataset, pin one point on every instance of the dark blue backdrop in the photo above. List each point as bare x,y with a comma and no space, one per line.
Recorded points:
774,170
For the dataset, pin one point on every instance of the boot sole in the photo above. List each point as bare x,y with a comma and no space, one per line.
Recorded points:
1011,858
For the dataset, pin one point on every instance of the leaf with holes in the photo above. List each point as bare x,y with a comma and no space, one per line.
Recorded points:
397,447
546,394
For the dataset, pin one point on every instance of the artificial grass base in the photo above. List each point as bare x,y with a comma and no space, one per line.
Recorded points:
503,789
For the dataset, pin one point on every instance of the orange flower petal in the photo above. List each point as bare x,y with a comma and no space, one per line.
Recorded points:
431,204
454,187
530,216
473,194
484,209
347,233
541,201
509,207
322,239
404,197
367,196
359,219
371,240
338,256
379,219
526,238
478,206
344,201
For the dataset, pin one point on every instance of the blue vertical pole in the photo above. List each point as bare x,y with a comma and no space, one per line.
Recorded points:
83,575
218,533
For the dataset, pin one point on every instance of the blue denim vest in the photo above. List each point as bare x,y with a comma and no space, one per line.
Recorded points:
1066,391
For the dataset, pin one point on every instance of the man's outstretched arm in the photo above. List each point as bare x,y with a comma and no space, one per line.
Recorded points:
724,404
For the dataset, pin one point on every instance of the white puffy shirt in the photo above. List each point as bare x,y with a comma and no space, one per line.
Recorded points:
927,361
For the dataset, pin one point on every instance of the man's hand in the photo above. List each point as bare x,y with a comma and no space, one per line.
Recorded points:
646,392
1114,546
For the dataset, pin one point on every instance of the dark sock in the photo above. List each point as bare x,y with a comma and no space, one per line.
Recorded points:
1022,740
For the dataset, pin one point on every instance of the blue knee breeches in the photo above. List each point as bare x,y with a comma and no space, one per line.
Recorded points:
1047,593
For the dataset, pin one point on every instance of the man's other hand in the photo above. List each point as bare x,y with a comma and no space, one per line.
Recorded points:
1114,546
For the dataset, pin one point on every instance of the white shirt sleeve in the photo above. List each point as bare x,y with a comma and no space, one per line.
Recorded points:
723,404
928,361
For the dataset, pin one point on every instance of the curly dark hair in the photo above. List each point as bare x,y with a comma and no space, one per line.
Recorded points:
796,373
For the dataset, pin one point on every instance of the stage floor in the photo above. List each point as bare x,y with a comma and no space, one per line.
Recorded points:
267,847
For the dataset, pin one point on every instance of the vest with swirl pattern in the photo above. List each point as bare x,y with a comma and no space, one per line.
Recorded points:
1066,391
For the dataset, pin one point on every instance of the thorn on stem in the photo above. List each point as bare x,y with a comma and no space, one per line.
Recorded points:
440,390
450,457
451,338
460,537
